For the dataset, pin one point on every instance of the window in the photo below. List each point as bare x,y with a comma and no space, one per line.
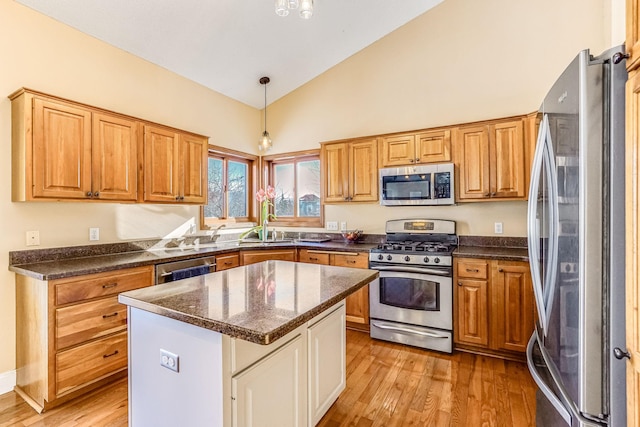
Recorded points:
296,179
231,187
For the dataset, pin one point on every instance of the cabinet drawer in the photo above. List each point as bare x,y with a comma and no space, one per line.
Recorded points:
82,365
475,269
355,259
101,284
224,262
313,257
82,322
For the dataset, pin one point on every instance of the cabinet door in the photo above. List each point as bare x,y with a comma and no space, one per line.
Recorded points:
632,43
61,163
472,312
114,158
255,401
335,168
512,307
398,150
473,150
327,365
251,257
161,165
193,166
507,166
432,147
357,304
363,166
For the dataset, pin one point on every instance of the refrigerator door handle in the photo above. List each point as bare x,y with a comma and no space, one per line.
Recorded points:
542,385
532,232
586,420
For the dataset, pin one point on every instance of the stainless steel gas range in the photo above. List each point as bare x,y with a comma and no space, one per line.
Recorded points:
412,300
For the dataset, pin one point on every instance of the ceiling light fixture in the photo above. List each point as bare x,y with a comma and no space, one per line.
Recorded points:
265,141
284,6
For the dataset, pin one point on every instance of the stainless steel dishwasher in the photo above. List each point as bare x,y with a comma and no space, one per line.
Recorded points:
176,270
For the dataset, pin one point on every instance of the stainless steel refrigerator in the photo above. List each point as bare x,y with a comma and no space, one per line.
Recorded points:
576,246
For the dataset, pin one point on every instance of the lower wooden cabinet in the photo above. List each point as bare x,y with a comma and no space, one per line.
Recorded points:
357,304
227,261
71,333
252,257
493,306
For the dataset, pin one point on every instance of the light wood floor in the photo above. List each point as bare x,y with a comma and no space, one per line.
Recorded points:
387,385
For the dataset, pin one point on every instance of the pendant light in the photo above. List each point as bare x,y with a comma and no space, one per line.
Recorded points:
265,141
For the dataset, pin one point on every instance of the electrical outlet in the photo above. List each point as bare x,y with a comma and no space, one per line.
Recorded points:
94,234
497,228
343,225
332,225
33,238
169,360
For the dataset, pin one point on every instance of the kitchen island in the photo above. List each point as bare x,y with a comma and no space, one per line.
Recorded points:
262,344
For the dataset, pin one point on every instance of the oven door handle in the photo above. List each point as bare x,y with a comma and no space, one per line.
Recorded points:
404,269
407,330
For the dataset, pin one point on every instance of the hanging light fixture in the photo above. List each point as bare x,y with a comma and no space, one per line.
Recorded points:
284,6
265,141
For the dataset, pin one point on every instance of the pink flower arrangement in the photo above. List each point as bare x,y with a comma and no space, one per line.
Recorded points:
265,198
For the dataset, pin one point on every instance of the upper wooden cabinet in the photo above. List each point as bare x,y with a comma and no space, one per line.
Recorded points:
65,150
410,149
71,151
174,166
350,171
491,161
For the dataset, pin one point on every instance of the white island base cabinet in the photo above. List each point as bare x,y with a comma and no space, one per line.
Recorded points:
224,381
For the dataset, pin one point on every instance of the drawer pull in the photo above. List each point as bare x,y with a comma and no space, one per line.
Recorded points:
313,258
351,261
109,355
228,263
110,285
474,270
106,316
501,270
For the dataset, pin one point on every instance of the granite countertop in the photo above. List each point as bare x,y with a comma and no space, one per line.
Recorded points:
500,248
259,302
69,262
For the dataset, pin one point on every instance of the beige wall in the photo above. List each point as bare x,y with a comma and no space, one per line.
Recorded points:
45,55
463,61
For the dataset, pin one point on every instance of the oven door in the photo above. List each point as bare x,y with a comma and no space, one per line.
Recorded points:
412,297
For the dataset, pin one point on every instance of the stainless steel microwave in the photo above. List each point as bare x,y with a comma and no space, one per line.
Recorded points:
417,185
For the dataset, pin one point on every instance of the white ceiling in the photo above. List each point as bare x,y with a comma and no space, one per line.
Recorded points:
227,45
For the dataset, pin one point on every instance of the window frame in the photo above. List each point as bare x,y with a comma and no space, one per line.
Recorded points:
267,168
226,155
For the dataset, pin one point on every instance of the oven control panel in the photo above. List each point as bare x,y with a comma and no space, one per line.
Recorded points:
413,259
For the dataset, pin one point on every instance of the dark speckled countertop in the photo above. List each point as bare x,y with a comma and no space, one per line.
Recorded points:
76,261
500,248
259,302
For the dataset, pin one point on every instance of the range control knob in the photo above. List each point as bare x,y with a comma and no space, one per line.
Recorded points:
407,258
389,257
426,259
437,260
380,257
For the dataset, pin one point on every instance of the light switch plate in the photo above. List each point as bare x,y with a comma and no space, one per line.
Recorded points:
94,234
497,228
332,225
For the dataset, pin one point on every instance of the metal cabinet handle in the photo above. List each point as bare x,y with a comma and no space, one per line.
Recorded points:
104,356
475,270
106,316
110,285
228,263
459,283
412,161
313,258
487,194
493,194
89,193
96,194
501,270
621,354
417,159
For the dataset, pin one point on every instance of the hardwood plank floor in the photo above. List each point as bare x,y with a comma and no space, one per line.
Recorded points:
388,385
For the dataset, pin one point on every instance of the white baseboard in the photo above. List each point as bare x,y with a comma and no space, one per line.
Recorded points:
7,381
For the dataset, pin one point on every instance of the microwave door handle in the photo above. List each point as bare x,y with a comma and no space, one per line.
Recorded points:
432,184
532,229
